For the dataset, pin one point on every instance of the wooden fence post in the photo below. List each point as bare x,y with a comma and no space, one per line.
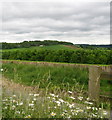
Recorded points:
94,83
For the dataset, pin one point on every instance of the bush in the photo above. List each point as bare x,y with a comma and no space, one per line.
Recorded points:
77,56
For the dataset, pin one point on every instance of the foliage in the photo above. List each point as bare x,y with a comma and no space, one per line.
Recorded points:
58,92
58,76
44,75
51,47
27,44
61,55
35,105
103,47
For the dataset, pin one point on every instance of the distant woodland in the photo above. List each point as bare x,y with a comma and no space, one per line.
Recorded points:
85,54
27,44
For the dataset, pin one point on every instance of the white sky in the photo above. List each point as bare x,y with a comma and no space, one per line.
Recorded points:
76,22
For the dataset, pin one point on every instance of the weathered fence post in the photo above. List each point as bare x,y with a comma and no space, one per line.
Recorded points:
94,83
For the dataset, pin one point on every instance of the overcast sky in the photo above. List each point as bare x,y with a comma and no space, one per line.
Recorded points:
76,22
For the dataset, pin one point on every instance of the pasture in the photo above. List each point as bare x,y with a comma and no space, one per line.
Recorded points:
51,91
51,47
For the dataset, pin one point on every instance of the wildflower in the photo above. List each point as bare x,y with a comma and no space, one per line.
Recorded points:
20,103
13,101
23,112
61,100
75,113
6,100
94,108
70,92
69,116
5,107
34,99
28,116
67,103
31,104
88,107
72,111
53,98
71,106
94,115
88,99
17,112
52,95
105,113
88,102
80,98
14,95
30,94
1,70
80,110
77,108
65,111
10,97
13,107
72,98
58,102
36,95
53,114
56,96
62,114
48,97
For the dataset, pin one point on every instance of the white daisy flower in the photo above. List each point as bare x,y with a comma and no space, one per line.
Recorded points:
53,114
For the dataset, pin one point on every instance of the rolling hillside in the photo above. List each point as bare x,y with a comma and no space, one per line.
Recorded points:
52,47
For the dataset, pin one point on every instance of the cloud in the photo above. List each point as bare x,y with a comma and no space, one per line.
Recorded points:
68,21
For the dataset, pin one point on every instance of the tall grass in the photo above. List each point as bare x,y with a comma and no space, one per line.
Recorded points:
56,95
35,105
46,76
51,77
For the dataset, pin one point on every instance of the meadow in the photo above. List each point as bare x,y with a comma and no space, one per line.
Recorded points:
51,47
45,75
52,91
50,105
57,92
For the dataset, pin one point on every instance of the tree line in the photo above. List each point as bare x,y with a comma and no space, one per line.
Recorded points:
103,47
27,44
78,56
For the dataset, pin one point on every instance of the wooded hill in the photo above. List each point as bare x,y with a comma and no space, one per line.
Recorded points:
27,44
87,46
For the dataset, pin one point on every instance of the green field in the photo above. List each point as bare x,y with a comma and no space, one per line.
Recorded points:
34,88
58,76
57,92
51,47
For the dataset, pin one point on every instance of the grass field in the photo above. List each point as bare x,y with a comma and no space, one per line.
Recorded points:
50,105
58,92
58,76
53,76
52,47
